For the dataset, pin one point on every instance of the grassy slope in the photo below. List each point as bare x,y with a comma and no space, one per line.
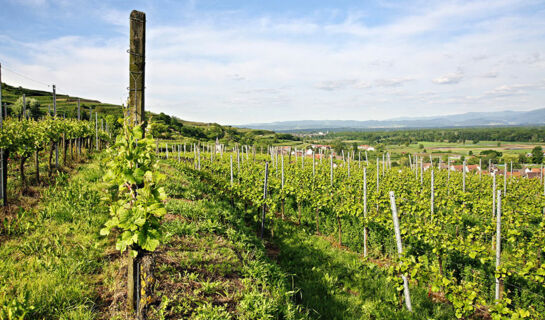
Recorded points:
65,103
52,258
339,284
54,264
213,266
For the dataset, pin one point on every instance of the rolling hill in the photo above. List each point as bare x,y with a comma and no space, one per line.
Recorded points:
471,119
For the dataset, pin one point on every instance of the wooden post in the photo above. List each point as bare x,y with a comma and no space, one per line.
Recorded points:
96,131
400,250
264,198
23,115
55,115
3,158
79,139
137,63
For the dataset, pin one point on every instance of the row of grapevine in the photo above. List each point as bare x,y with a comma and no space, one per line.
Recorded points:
447,222
21,139
136,210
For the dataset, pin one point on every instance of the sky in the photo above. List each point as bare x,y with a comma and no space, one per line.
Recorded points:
237,62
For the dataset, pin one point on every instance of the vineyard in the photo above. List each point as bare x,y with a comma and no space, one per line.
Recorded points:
137,215
216,234
449,222
51,141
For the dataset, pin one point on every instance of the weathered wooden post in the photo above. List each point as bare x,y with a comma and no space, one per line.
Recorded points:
3,157
79,139
141,267
96,131
23,115
137,63
55,115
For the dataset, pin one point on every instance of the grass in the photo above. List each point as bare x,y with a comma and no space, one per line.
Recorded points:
212,266
339,284
51,261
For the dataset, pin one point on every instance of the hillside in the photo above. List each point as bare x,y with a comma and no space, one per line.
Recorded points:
471,119
166,127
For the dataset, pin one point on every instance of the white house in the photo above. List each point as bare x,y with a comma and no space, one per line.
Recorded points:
365,147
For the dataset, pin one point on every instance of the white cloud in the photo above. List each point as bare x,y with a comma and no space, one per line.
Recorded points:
394,82
335,84
450,78
235,69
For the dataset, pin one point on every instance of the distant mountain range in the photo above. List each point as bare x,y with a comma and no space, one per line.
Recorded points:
470,119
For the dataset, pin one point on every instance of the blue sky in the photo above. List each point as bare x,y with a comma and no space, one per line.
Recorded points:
236,62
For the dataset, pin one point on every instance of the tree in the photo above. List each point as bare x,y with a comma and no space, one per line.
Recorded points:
537,155
339,146
159,129
522,158
34,106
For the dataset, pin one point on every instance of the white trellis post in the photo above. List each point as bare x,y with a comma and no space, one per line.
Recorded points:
493,194
464,176
231,165
498,247
365,211
432,195
400,250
